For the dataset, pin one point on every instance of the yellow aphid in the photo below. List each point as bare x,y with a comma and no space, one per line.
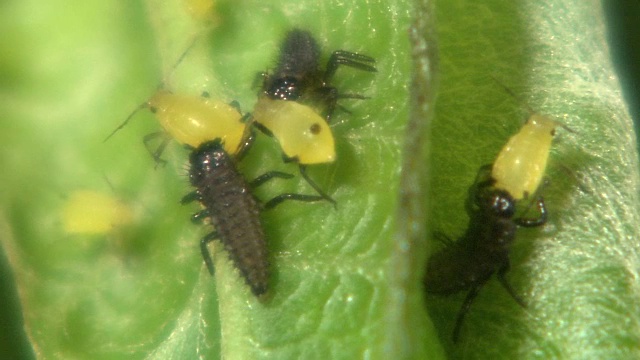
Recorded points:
302,133
203,10
193,120
92,212
521,163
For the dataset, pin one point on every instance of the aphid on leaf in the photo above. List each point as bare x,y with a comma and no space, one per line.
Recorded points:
203,10
303,135
192,120
520,166
292,94
233,211
92,212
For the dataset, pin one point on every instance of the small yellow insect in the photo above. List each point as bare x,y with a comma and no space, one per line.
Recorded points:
193,120
203,10
520,165
302,133
92,212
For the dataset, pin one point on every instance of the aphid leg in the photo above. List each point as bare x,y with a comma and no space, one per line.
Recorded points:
348,96
440,236
464,309
200,216
260,79
246,144
297,197
190,197
205,251
262,128
236,105
155,154
502,277
353,96
303,172
346,58
331,97
268,176
532,222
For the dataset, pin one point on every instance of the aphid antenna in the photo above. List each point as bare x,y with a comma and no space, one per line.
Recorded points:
106,179
159,87
513,94
566,127
443,238
191,45
529,108
144,105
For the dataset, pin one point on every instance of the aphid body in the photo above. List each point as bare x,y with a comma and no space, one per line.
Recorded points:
203,10
92,212
483,250
520,165
233,211
292,94
302,133
193,120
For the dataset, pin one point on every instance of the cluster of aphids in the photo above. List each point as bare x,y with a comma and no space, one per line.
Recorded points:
294,105
483,250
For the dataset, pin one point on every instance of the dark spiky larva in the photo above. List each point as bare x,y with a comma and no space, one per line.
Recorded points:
298,76
482,251
297,68
299,55
232,210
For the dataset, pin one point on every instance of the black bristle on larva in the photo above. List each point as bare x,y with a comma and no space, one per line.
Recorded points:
299,55
233,211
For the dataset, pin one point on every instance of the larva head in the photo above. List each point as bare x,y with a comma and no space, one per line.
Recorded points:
302,133
497,203
205,159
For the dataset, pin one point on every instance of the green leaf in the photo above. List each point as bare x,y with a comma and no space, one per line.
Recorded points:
579,273
345,283
140,290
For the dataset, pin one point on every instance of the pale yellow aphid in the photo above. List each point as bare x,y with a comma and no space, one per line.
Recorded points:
91,212
203,10
193,120
520,165
302,133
